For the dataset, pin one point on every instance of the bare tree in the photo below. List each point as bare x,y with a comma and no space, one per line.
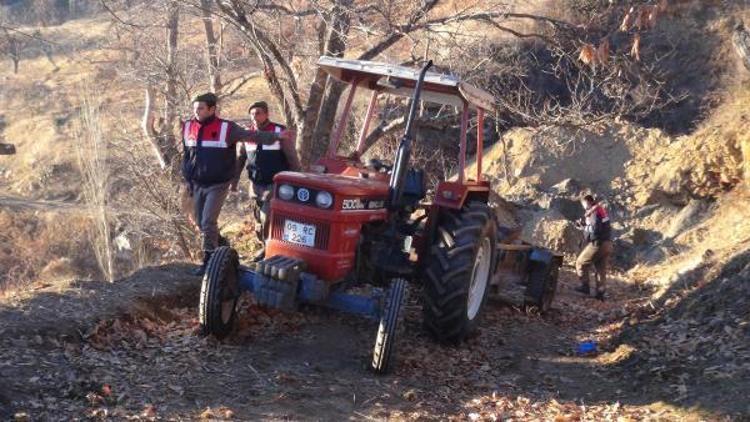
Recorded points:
10,45
158,58
596,62
170,107
372,28
92,154
161,132
212,48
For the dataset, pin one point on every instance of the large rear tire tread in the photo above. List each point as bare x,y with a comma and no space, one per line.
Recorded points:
219,283
447,276
382,354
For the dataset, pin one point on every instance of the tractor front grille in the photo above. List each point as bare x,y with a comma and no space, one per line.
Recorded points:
322,230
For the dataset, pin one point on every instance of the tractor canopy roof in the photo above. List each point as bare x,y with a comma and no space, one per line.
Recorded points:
400,80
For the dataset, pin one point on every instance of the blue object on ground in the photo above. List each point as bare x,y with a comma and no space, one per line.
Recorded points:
586,348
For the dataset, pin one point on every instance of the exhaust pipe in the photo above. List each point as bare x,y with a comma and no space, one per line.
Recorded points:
401,163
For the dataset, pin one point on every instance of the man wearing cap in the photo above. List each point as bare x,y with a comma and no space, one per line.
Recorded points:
210,162
264,161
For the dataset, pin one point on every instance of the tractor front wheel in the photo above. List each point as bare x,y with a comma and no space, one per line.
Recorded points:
219,293
382,354
458,274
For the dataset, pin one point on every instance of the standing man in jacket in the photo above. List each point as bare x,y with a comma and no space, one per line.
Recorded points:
264,161
209,164
597,248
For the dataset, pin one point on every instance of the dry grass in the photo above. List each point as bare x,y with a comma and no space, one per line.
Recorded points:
34,244
93,155
42,105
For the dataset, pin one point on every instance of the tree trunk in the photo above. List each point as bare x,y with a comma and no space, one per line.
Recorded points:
214,75
170,109
315,141
306,126
326,118
15,51
147,125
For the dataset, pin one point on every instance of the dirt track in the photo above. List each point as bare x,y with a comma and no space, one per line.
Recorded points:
28,204
149,362
17,202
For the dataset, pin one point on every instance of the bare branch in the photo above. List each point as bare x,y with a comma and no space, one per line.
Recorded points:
268,52
383,129
147,125
237,83
399,32
117,18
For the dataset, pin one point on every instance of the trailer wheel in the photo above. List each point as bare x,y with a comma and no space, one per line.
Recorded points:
542,285
382,354
457,276
219,293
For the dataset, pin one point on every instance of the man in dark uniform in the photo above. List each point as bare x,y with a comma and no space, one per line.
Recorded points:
597,248
264,161
210,162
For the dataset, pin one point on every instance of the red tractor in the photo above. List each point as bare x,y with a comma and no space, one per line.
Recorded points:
347,224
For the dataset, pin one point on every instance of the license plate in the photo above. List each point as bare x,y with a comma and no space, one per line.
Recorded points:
298,233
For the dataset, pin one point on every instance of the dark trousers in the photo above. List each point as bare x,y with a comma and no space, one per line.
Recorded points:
261,194
207,203
596,254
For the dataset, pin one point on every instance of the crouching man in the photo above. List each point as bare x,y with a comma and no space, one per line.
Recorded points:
597,233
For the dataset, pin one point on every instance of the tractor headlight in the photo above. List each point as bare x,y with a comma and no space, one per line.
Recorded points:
324,199
286,192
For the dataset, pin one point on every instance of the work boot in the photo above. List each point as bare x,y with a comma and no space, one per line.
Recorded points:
260,255
600,295
201,271
583,288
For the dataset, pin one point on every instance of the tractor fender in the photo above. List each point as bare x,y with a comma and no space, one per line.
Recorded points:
454,195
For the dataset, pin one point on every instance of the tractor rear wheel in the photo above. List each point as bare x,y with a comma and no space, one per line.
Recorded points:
542,285
382,354
219,293
458,274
